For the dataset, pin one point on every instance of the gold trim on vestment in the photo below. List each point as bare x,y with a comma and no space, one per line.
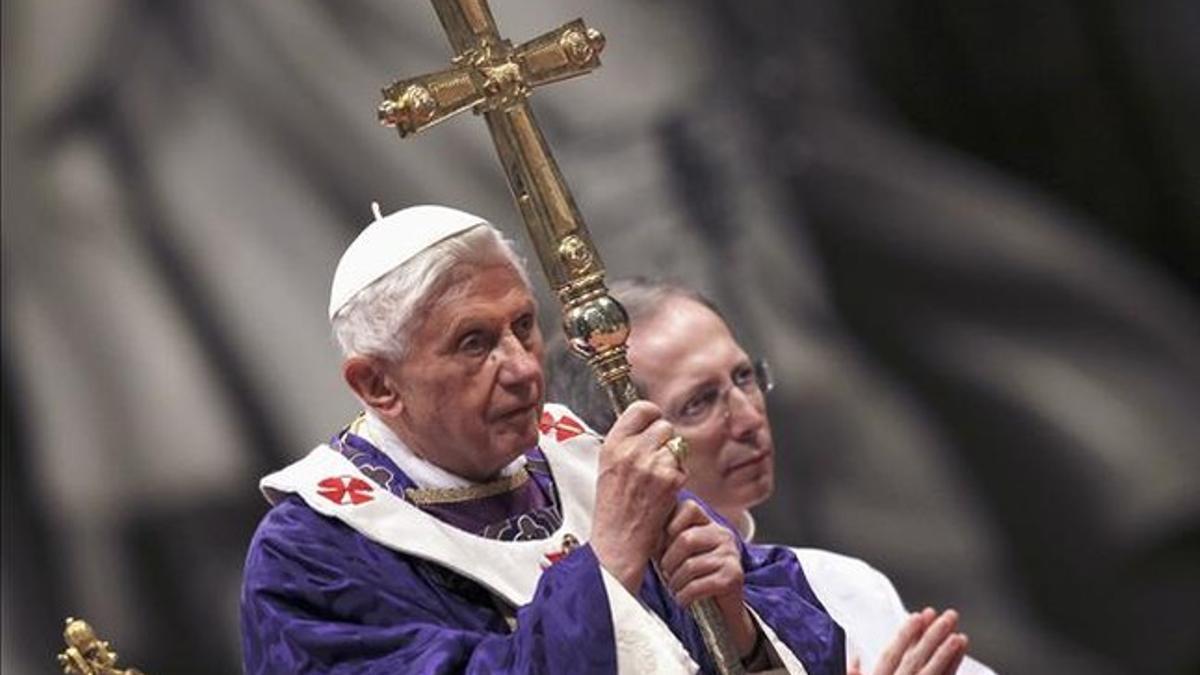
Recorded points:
426,496
355,425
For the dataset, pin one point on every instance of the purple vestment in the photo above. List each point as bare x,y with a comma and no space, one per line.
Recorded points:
318,596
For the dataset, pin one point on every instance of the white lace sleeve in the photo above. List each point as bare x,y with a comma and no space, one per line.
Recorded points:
644,643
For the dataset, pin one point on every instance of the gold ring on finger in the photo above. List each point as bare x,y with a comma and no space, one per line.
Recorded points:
678,449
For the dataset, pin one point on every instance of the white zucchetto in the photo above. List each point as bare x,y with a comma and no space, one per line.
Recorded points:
389,242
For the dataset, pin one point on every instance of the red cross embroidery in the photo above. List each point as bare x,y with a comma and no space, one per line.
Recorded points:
565,427
346,490
570,543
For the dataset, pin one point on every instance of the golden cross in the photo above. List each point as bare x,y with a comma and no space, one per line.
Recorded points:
494,79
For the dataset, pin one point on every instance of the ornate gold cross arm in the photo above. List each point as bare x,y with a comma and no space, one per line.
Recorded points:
491,76
495,80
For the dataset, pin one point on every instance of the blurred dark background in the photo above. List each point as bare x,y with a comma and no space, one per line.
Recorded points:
967,235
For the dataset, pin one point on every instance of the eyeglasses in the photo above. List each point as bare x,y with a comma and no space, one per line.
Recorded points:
712,403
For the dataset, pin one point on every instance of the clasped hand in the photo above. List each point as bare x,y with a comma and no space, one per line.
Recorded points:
638,520
926,644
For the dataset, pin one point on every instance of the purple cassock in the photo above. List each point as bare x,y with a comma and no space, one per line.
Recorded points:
318,596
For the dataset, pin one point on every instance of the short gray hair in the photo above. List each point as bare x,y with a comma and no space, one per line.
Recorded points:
381,318
570,379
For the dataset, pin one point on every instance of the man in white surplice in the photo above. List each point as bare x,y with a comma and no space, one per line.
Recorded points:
686,359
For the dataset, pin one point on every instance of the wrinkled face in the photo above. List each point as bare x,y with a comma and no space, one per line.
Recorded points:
685,360
471,384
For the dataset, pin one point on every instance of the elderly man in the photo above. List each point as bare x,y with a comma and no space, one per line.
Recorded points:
686,359
460,525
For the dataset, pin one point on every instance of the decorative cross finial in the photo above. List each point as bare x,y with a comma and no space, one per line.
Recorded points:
488,73
87,654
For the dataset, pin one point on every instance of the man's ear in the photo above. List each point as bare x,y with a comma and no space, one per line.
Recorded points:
367,379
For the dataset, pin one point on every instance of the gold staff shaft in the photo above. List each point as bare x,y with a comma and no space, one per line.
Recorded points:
596,325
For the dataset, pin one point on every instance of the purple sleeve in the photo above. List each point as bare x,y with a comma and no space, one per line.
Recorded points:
320,598
779,592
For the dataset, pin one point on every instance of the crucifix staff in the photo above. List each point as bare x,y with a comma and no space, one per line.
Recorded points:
494,79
